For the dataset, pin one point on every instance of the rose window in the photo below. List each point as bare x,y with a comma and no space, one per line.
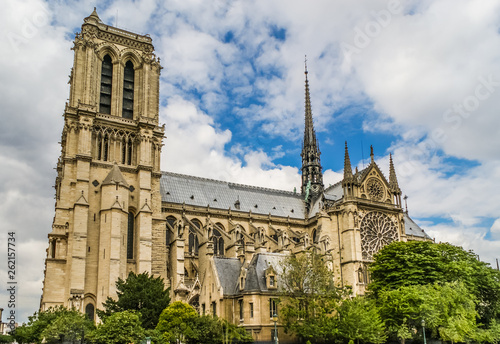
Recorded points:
375,189
377,230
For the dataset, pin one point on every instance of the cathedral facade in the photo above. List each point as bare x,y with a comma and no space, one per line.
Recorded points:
217,245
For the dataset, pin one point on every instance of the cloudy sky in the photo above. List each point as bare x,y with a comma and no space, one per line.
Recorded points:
418,79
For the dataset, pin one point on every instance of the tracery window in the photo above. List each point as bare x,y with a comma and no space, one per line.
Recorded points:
106,80
218,240
128,91
110,144
377,230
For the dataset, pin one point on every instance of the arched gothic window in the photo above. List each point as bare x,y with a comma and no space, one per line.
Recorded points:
315,236
126,151
106,79
89,311
128,91
193,237
105,147
99,146
218,241
130,236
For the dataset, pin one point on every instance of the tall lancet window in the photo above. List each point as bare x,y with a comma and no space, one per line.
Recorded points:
130,236
106,78
128,91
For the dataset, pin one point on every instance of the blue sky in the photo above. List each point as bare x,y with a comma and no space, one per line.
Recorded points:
418,79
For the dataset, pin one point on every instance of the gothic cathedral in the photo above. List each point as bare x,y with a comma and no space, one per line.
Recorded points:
217,245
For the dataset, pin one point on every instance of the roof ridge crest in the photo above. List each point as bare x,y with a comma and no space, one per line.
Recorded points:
290,193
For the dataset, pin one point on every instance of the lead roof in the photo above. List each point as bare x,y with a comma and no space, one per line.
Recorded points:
179,188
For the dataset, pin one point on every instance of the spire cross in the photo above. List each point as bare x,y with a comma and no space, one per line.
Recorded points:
305,64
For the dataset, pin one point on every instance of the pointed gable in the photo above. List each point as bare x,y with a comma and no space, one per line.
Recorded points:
373,183
115,177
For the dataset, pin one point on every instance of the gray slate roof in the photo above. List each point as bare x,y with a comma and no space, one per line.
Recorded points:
115,177
256,279
412,228
179,188
228,271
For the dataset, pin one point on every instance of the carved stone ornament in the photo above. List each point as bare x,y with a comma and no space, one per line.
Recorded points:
375,189
377,230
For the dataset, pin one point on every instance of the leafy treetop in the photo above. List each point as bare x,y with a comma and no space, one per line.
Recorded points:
142,293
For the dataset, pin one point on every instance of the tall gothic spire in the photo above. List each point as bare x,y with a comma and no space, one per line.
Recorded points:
309,134
393,180
312,176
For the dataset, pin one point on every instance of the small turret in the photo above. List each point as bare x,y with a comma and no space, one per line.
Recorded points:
347,165
393,181
349,181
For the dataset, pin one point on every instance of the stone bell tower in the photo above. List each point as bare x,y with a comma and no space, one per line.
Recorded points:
108,207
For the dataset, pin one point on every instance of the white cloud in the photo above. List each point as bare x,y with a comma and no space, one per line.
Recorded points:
495,230
423,66
194,146
469,238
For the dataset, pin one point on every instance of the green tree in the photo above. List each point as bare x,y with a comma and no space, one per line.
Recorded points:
142,293
181,322
310,297
53,323
176,320
119,328
234,333
448,310
5,339
359,320
420,263
70,326
204,330
401,331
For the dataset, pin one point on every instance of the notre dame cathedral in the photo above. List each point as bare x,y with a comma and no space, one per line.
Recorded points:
217,244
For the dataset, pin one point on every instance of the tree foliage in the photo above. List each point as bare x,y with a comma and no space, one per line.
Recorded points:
176,320
310,297
70,326
414,263
448,311
53,324
5,339
232,333
119,328
142,293
359,320
181,322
